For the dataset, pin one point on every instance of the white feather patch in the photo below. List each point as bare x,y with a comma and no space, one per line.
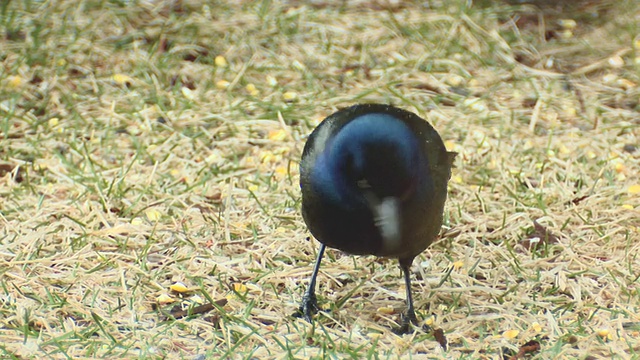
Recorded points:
387,219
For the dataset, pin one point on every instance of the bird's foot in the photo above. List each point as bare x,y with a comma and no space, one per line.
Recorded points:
408,319
308,307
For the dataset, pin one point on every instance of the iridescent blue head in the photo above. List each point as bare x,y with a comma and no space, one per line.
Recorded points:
375,153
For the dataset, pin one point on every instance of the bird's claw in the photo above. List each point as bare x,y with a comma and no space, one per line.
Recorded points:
308,307
406,320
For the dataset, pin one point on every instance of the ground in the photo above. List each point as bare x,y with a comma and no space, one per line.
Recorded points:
149,165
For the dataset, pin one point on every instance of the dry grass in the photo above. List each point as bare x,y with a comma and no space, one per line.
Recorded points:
114,188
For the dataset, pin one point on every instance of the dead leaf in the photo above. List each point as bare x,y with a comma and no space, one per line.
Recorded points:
539,238
438,334
8,168
528,348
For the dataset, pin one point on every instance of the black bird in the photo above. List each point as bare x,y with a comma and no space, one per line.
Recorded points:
374,182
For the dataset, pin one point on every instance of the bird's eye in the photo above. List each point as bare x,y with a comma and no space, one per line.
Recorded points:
363,184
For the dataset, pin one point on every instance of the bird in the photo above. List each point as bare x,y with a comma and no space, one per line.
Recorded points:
373,181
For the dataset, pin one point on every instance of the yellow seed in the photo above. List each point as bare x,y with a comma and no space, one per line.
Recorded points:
62,62
153,214
14,81
510,334
456,179
54,121
266,156
634,189
239,288
614,156
401,343
619,167
563,149
188,93
616,61
536,327
179,287
430,320
591,155
625,84
136,222
222,84
570,111
458,265
289,96
281,170
121,79
253,188
385,310
566,34
164,299
277,135
454,80
220,61
249,160
41,166
603,333
252,90
627,206
474,104
567,23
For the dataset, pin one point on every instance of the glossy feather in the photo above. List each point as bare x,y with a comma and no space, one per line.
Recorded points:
374,182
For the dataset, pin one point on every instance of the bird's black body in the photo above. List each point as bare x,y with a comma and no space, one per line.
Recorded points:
374,182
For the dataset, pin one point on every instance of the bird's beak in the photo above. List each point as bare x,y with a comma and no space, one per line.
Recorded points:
387,217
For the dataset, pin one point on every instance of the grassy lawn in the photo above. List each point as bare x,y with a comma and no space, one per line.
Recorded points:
149,165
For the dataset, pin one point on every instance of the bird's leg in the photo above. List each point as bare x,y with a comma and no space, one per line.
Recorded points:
409,316
309,304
